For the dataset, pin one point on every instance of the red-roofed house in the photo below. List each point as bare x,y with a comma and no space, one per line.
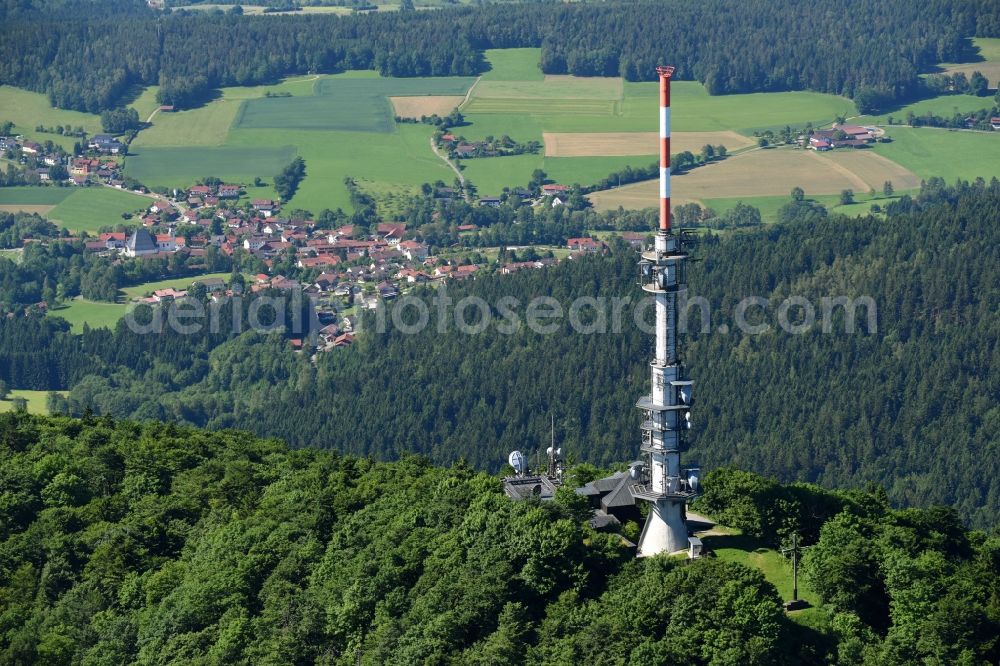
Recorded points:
584,244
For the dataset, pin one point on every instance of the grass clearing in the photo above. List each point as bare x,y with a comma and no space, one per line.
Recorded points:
426,105
603,144
145,103
36,400
928,151
90,208
752,553
180,167
147,288
95,314
514,65
28,110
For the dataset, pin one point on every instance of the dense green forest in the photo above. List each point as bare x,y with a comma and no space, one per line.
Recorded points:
910,404
871,48
158,544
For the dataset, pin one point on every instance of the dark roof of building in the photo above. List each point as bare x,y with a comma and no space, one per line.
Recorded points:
141,241
601,520
601,486
523,487
620,495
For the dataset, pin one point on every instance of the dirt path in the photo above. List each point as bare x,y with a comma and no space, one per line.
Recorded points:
458,172
468,94
150,119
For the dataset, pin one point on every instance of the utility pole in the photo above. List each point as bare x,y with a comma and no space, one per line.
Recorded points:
795,550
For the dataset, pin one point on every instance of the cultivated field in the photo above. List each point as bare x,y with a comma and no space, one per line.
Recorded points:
90,208
552,87
600,144
342,103
33,196
635,196
181,167
542,106
426,105
872,169
25,208
761,173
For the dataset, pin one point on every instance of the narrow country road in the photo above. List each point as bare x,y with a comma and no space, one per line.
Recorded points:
458,172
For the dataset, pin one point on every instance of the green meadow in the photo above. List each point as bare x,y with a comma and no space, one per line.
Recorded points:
147,288
36,400
90,208
27,110
513,65
145,102
95,314
492,174
402,158
943,105
182,166
951,154
34,196
769,206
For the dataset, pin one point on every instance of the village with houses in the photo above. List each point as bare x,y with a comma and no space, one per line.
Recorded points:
342,270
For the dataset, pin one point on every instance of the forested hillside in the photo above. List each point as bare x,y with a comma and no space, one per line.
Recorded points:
843,47
911,405
156,544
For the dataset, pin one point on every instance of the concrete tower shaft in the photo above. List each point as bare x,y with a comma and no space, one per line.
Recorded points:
667,407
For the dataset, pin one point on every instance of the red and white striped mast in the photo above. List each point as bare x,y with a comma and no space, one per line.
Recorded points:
665,74
667,408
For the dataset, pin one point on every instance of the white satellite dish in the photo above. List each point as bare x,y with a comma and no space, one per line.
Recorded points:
517,461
